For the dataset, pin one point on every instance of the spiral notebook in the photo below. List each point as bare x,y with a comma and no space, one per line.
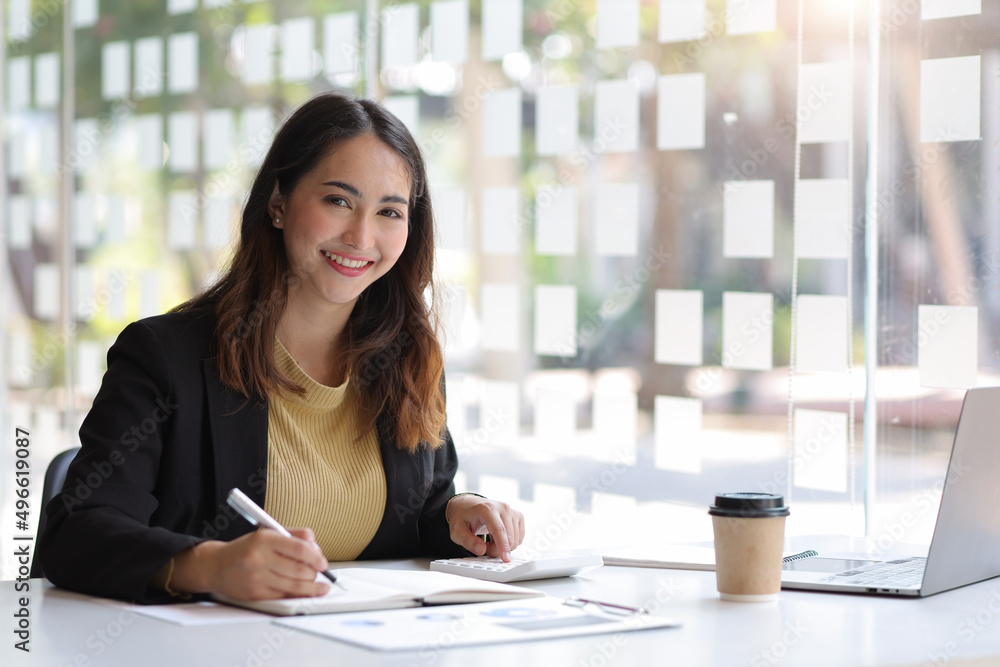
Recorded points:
366,589
677,557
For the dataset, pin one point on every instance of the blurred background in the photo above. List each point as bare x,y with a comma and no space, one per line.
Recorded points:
685,246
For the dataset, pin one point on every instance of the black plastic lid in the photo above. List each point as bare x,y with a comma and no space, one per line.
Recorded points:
748,505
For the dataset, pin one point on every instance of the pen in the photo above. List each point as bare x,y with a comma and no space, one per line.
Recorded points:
252,512
579,602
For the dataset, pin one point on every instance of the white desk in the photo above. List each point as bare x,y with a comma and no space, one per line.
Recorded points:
800,629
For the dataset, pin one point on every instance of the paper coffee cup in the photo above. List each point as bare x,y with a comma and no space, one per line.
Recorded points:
749,536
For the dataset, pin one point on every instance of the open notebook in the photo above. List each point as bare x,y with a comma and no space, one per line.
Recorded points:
365,589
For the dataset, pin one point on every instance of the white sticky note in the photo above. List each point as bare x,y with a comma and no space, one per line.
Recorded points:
258,60
400,24
748,16
46,80
822,230
19,20
49,159
30,148
456,410
502,123
678,327
502,27
181,6
182,141
149,294
500,317
297,49
449,212
496,486
616,115
555,220
502,221
84,220
747,330
614,504
48,422
821,333
748,219
450,31
682,20
616,219
182,220
553,497
89,366
617,23
939,9
84,304
117,292
218,144
340,43
258,130
453,315
556,120
406,108
615,420
680,111
820,450
46,291
19,223
555,414
500,412
114,70
86,145
950,90
84,13
133,215
117,283
115,220
677,427
182,61
948,346
555,320
824,109
150,129
19,83
19,373
219,222
46,215
49,146
149,72
17,162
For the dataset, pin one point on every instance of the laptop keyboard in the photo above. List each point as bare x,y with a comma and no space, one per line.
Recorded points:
905,573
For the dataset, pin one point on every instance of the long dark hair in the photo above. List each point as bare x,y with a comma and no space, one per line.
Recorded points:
392,353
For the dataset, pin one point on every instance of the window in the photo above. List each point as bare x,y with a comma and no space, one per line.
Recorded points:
685,246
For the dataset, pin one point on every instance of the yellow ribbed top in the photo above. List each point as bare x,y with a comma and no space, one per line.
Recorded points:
317,476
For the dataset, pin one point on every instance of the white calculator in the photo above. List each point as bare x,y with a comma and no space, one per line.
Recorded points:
494,569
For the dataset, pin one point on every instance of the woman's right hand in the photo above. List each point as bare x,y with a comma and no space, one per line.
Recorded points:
261,565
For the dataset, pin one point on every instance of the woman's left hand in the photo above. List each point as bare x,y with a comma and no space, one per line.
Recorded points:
470,515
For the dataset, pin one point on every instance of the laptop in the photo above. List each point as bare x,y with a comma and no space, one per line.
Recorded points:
965,547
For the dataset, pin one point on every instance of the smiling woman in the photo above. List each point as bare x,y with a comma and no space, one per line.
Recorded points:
309,376
344,227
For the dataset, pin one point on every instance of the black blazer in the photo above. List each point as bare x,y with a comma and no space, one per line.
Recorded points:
164,443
